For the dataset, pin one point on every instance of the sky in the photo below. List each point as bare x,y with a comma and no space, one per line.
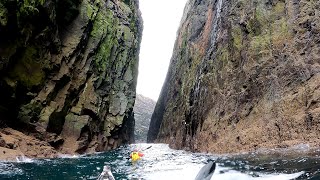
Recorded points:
161,19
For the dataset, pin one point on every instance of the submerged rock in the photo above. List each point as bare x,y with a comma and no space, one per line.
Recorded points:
244,75
70,68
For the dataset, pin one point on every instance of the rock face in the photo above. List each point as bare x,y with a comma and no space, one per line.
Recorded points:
243,75
69,71
15,144
143,109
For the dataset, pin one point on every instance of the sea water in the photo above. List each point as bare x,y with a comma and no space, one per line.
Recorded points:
162,163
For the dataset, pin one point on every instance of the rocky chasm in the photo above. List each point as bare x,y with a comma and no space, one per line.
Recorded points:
143,109
244,75
68,75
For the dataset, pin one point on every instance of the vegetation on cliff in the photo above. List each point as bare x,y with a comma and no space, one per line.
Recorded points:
69,69
244,75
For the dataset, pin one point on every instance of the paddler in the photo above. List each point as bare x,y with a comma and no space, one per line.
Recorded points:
136,155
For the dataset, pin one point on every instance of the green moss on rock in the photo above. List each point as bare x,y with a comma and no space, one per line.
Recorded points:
278,10
28,69
261,15
29,111
237,37
103,24
29,7
88,10
128,36
3,15
223,55
104,29
254,26
280,32
269,29
260,45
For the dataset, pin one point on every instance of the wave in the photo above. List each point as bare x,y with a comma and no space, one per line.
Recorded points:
228,174
9,169
24,159
68,156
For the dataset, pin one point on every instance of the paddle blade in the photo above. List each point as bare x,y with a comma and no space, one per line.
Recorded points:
206,171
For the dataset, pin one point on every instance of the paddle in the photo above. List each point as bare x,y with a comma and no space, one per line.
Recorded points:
143,150
147,148
206,171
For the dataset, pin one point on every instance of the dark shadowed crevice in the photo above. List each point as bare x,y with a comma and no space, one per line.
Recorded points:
84,139
57,119
59,85
127,129
90,113
67,10
56,122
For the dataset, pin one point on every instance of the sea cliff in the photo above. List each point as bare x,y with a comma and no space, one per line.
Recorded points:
68,73
244,75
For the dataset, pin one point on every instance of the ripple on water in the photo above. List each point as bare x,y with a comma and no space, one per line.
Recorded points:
161,162
7,169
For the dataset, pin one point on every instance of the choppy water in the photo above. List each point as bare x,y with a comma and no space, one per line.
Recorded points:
161,162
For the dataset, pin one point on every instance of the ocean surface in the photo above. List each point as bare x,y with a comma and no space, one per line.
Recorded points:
162,163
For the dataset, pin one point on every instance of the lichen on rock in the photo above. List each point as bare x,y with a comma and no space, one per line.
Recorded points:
242,76
68,74
3,15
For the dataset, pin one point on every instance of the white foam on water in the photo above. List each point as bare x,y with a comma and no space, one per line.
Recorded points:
283,176
188,172
8,168
24,159
172,164
68,156
236,175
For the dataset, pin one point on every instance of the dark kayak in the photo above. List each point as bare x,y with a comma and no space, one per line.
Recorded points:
106,174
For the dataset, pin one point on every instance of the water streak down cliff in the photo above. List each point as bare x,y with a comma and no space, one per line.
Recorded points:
69,71
243,75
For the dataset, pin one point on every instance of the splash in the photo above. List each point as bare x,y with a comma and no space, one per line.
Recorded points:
8,169
229,174
161,162
24,159
68,156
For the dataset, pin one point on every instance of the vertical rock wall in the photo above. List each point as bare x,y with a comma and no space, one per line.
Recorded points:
244,75
69,71
143,110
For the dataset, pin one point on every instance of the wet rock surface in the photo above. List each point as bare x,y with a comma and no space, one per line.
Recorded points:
69,68
244,75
